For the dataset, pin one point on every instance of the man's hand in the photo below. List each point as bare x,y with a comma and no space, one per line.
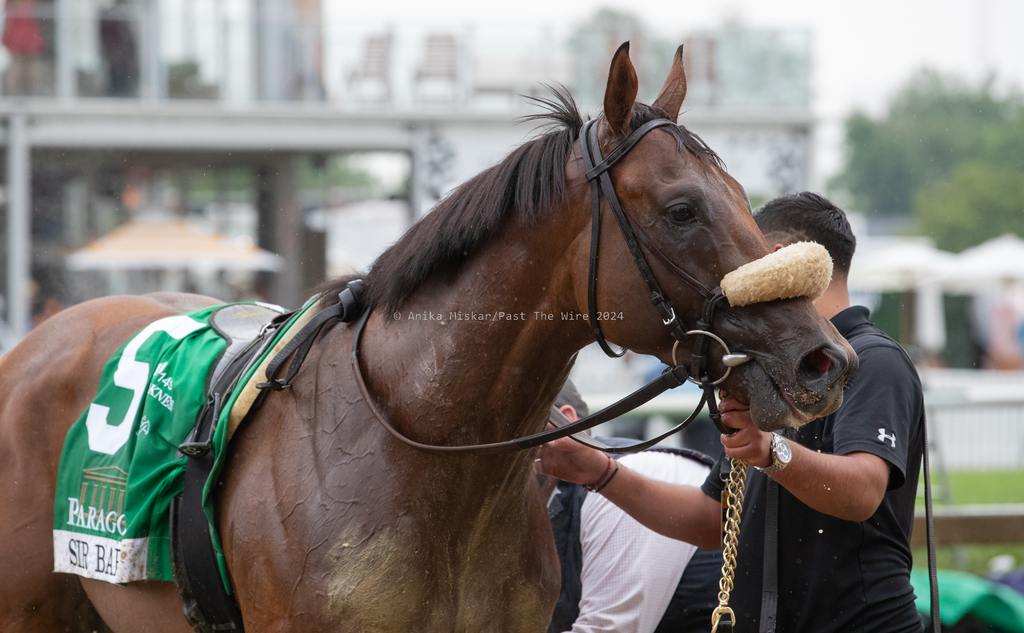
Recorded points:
748,444
678,511
568,460
849,487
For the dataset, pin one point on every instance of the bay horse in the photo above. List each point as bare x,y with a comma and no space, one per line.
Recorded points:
328,523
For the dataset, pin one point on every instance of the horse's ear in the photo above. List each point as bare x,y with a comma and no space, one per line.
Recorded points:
620,94
672,94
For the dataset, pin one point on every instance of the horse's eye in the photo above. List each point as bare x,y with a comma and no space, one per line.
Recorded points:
680,213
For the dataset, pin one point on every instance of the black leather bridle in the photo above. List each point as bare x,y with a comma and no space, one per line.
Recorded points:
597,173
351,307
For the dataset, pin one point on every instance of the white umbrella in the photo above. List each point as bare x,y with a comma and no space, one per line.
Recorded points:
989,266
159,243
905,265
911,266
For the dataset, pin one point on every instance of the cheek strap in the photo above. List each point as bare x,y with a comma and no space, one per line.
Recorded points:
803,269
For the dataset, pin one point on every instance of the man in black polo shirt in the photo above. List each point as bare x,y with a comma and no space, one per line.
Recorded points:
845,484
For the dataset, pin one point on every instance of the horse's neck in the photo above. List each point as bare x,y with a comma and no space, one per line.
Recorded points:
493,362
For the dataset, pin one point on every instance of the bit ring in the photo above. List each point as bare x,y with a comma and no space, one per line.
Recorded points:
717,339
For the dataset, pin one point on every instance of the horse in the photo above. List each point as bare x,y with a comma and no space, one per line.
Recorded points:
330,524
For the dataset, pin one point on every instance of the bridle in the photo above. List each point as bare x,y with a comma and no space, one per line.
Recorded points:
350,307
597,174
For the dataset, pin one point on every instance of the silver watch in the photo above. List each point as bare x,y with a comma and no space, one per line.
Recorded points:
781,455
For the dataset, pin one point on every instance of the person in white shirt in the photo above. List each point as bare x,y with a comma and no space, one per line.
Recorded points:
618,575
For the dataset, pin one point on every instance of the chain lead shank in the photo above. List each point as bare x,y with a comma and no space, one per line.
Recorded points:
722,618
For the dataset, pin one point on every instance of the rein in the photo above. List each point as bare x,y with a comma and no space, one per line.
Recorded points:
669,379
597,168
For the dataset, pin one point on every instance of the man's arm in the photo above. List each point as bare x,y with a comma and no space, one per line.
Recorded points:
848,487
676,510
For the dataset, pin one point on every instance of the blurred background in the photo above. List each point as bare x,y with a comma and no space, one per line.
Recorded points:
253,148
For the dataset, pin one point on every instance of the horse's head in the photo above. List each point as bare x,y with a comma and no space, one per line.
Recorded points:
693,225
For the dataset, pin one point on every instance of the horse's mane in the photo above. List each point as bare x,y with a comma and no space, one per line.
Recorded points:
526,183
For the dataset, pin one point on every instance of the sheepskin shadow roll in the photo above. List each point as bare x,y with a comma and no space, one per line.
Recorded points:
803,269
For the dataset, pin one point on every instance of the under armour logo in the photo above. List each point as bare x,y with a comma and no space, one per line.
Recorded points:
882,436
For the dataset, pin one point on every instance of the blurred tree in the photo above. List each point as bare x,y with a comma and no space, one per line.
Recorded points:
978,200
594,40
334,171
934,124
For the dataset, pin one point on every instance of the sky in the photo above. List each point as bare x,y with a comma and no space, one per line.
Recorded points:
863,50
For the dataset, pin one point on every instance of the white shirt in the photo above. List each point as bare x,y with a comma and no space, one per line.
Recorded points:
630,573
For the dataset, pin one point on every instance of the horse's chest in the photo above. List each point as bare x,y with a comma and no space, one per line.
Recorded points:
396,580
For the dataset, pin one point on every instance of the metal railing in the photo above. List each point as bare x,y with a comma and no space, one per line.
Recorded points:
975,417
237,52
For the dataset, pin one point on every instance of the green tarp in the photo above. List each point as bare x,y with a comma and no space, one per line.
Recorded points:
962,594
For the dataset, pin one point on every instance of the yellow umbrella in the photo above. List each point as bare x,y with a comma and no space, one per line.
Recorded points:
157,243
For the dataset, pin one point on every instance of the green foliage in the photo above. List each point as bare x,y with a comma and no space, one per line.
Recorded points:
944,152
976,201
333,171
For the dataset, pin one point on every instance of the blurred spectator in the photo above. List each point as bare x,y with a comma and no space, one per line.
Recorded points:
24,41
6,335
119,50
999,326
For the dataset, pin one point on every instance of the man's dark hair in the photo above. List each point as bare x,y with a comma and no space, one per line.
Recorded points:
807,216
571,396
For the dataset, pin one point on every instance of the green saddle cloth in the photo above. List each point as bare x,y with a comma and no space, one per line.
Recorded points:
120,467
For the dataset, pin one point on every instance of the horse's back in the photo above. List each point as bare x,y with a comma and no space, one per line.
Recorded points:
46,382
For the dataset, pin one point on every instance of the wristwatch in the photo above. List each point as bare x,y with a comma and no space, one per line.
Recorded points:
781,455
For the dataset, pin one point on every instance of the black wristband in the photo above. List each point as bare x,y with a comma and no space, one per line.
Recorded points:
601,486
604,473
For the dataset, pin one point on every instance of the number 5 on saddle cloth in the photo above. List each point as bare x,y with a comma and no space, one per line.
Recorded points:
133,500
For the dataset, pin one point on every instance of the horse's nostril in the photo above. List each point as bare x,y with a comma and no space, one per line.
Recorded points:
816,365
